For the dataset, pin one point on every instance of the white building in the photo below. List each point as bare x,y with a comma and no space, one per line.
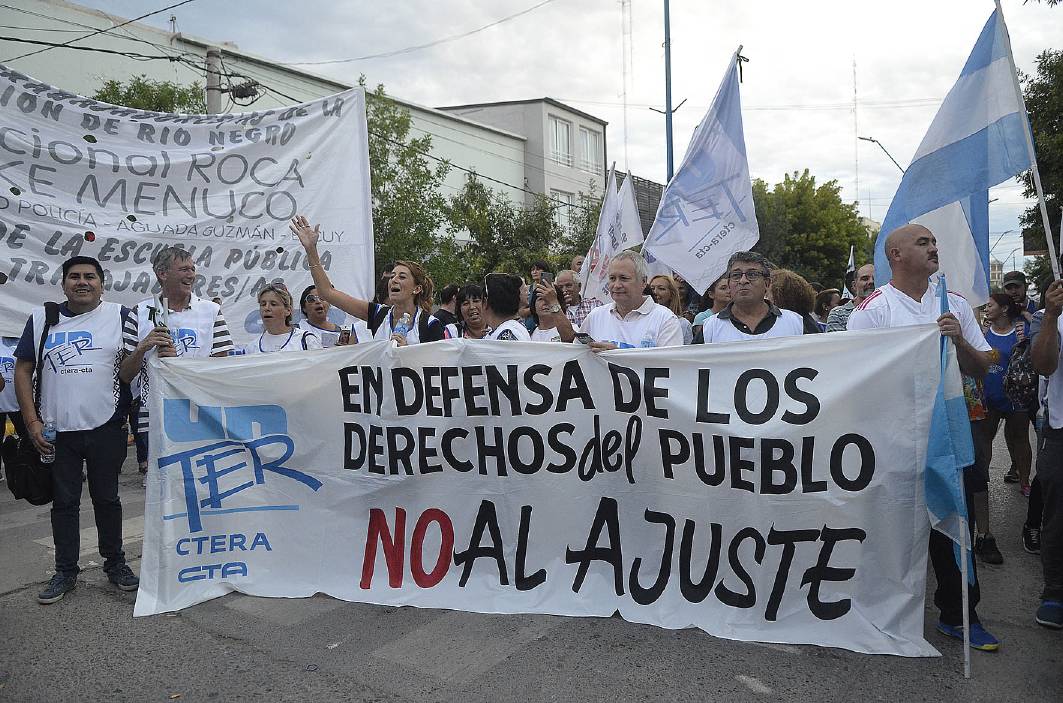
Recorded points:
564,148
534,152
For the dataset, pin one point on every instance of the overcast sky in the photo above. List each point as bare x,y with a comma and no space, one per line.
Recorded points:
797,95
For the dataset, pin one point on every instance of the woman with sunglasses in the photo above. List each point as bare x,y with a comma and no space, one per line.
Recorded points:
315,319
278,335
405,319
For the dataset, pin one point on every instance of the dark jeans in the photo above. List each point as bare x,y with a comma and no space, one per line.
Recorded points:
949,594
1050,475
16,421
140,439
102,451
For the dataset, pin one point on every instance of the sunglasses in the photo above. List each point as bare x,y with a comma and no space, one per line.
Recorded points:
314,298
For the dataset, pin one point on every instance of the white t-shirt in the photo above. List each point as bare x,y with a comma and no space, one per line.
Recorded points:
547,335
8,401
198,331
510,330
720,328
79,369
649,325
297,339
413,336
330,337
889,307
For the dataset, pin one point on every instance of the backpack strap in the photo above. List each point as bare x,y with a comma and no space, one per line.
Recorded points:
378,320
51,317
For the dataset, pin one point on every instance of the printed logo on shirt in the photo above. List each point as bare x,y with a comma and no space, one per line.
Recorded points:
184,340
64,352
7,366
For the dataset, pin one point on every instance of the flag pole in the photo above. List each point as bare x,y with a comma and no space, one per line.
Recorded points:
966,600
1026,130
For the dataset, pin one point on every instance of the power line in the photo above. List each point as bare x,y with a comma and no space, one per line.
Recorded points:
99,31
418,47
53,45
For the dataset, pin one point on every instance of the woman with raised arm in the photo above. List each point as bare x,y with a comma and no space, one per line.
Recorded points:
407,316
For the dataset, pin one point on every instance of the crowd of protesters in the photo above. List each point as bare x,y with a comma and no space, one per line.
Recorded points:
752,299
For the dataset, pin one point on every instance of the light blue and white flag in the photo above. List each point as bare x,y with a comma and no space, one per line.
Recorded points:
950,448
975,142
706,213
619,228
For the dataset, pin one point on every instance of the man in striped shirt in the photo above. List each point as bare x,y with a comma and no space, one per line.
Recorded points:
576,307
195,326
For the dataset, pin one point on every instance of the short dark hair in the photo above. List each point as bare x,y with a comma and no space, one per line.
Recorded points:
468,292
448,293
86,260
751,257
502,293
542,266
303,296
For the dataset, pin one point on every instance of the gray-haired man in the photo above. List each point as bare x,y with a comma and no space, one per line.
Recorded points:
194,326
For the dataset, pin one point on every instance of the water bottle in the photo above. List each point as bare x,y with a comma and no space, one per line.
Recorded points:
49,437
403,326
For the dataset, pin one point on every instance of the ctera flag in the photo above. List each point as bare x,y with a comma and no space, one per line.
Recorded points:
976,141
619,228
706,213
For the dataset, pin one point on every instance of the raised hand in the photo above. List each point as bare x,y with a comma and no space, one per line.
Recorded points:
308,235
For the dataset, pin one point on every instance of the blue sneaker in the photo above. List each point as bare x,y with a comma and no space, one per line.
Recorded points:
980,638
1050,614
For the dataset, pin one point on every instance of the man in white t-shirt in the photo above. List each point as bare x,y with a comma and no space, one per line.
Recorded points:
80,396
502,300
910,299
632,320
1048,361
749,315
190,326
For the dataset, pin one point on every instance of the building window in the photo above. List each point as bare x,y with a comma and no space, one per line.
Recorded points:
590,151
562,203
560,141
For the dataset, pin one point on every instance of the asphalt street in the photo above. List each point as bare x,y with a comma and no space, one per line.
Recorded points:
89,647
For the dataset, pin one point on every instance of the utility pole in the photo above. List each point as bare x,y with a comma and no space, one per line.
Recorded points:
213,80
668,90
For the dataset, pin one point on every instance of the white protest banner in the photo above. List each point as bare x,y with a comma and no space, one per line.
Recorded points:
81,177
739,488
706,212
619,228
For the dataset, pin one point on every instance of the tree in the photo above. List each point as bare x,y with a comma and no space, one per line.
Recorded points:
409,212
505,236
1043,94
145,93
583,225
807,228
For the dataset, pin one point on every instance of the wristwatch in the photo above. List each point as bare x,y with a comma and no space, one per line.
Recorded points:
555,308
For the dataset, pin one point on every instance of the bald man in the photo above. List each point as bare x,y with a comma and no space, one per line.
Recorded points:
910,299
863,286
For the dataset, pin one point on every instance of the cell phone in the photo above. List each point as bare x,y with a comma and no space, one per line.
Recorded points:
345,336
547,277
584,338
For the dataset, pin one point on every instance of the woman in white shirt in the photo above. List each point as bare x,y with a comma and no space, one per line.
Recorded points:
315,311
406,319
471,322
275,307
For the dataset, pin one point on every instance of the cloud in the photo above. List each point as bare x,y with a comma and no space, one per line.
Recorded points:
801,56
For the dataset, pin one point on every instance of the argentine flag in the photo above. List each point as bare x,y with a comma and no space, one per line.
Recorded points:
950,448
976,141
